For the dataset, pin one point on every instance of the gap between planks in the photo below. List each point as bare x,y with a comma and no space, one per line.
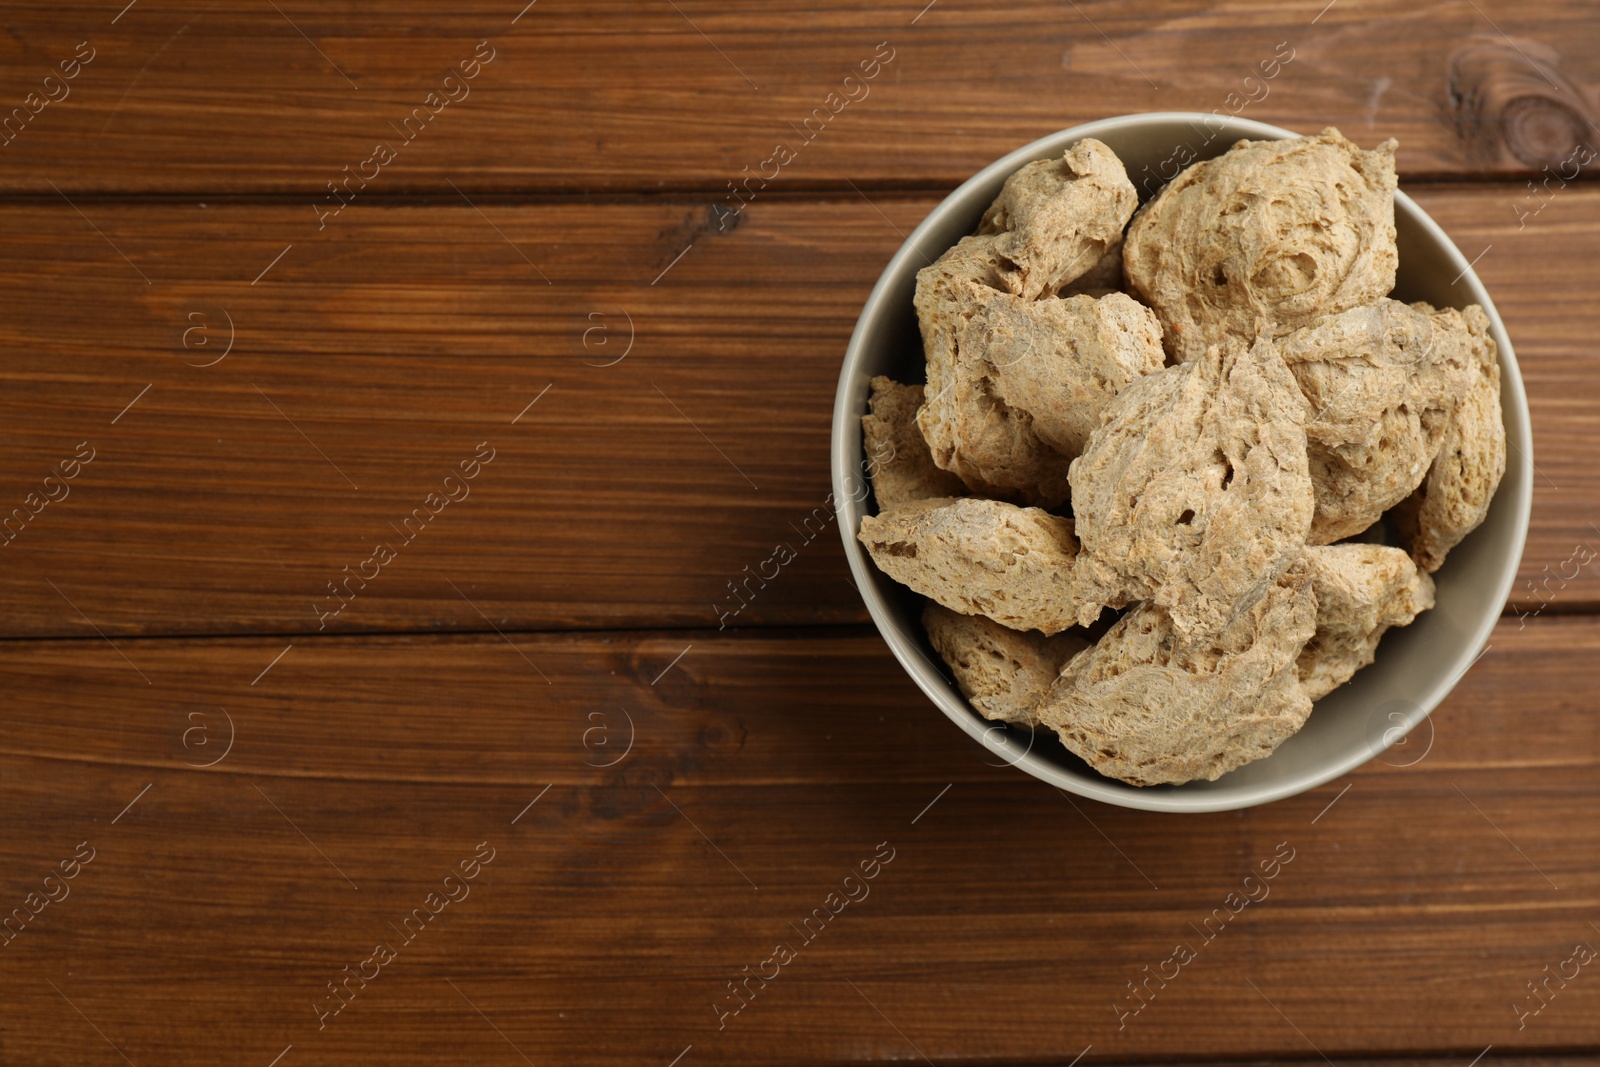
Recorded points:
774,630
1515,181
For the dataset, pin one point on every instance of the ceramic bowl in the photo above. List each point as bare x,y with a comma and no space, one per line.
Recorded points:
1416,665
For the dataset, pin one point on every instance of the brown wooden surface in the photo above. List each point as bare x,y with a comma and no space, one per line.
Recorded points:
553,636
399,341
1008,920
637,95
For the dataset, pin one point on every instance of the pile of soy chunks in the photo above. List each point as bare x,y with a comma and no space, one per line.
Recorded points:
1207,419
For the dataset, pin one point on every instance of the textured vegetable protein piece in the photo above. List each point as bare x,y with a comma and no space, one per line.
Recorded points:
1005,673
1195,491
1055,219
984,557
902,467
1270,235
1062,362
1150,707
1380,382
1362,590
1102,278
1454,500
970,431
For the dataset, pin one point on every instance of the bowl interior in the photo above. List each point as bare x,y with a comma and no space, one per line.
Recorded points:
1416,665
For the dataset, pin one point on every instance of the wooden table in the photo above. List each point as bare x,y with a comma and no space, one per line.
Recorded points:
365,699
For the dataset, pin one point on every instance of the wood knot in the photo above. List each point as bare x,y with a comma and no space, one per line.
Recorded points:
667,671
1513,104
636,787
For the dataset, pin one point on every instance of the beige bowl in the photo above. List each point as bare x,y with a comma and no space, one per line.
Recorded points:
1416,666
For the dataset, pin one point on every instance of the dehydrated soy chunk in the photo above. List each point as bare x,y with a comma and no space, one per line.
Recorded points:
984,557
1055,219
1270,235
948,282
1454,499
902,468
1353,491
1362,590
1195,490
1102,278
1005,673
1149,706
1017,385
1354,365
1379,382
1062,361
969,430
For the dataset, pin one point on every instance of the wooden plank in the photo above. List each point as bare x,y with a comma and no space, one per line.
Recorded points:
380,353
639,96
1530,264
1414,909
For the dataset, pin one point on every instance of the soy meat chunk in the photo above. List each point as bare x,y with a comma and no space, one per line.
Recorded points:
1005,673
1354,365
1362,590
1149,706
1102,278
984,557
1268,236
901,466
1195,491
971,265
1021,383
1055,219
1380,383
1454,499
970,431
1062,361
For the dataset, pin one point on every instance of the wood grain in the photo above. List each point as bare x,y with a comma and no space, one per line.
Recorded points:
546,288
382,351
638,96
616,908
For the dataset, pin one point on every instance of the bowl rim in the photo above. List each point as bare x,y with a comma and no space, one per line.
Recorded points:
949,700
